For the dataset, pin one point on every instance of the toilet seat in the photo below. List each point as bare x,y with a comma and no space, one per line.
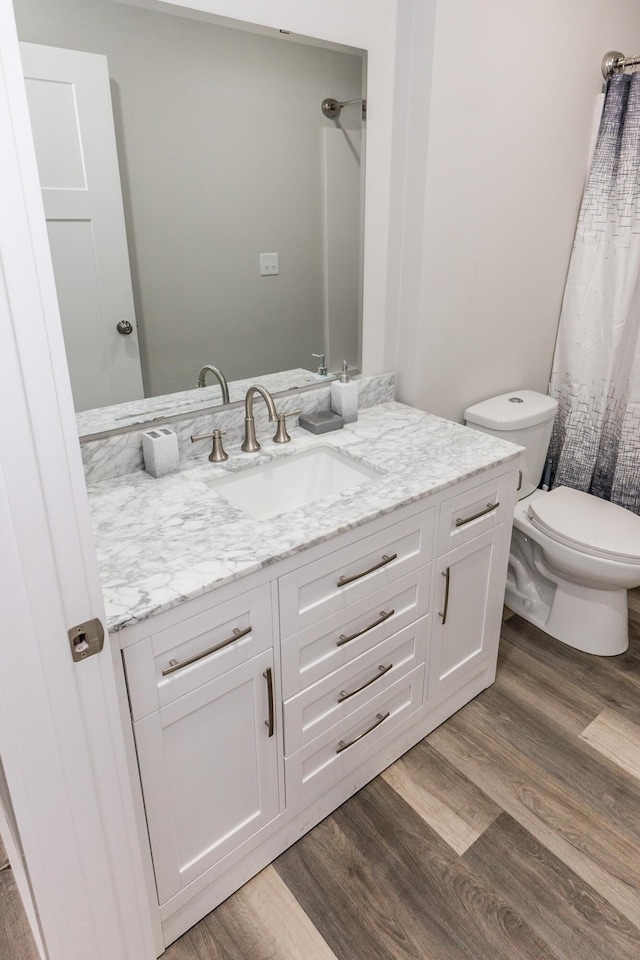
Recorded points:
588,524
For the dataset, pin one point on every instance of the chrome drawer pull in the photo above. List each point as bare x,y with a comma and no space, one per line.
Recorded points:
175,665
343,581
380,718
447,577
268,675
460,521
384,615
381,672
519,487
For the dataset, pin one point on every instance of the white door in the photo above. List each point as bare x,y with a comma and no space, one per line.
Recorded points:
72,120
62,741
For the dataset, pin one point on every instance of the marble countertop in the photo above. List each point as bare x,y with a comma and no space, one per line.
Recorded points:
161,542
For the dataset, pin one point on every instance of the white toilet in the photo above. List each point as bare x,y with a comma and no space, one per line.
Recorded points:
573,556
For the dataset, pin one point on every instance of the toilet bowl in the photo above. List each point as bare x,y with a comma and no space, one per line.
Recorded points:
572,559
573,556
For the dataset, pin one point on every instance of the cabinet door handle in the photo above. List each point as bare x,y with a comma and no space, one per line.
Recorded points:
236,635
384,615
380,718
343,581
268,675
381,672
460,521
447,579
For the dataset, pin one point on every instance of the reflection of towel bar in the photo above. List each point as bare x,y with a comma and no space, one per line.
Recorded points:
332,108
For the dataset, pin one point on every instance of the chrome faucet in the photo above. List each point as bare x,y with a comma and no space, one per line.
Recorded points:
222,380
250,444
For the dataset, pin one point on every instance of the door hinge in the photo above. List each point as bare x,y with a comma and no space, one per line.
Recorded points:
86,639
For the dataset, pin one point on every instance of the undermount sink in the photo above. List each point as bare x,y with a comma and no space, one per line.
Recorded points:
286,483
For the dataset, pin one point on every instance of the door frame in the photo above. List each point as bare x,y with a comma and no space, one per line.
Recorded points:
61,737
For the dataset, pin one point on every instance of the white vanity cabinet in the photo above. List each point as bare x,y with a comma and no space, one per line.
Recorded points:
365,643
202,694
354,632
473,548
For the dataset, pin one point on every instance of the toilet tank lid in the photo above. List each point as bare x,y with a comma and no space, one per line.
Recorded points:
512,411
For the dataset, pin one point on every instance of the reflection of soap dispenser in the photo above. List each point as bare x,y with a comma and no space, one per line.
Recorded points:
344,396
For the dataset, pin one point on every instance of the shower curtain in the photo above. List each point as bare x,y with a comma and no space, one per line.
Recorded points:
596,370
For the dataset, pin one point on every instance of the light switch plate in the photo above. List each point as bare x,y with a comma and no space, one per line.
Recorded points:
269,266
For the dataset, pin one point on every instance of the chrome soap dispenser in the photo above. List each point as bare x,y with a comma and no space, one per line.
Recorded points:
344,396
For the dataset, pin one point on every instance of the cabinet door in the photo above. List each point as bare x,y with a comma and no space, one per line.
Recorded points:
209,771
469,593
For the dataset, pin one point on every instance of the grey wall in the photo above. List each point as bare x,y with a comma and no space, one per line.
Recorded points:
219,136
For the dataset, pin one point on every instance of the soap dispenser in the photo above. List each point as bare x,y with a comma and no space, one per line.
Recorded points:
344,396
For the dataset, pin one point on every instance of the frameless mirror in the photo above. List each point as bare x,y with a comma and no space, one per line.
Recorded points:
242,198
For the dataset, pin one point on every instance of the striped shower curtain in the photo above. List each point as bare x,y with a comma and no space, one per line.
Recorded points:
596,368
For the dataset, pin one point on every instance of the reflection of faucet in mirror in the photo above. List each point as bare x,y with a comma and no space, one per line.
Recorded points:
322,367
222,380
251,444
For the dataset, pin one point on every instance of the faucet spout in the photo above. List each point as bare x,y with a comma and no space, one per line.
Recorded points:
251,444
222,380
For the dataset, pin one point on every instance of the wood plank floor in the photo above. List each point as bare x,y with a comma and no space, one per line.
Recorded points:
16,942
511,833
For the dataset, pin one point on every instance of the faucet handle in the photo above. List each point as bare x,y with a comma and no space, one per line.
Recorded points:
218,453
281,435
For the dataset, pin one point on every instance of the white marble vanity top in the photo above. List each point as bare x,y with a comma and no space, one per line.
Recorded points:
161,542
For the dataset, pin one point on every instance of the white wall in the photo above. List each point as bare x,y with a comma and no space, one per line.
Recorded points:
220,145
512,105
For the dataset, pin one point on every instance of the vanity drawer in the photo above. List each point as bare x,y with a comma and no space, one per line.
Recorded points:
475,511
328,759
330,701
325,647
331,584
175,661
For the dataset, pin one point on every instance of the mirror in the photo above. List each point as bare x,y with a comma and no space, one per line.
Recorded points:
228,167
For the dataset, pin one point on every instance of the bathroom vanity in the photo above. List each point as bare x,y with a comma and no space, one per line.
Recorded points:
274,666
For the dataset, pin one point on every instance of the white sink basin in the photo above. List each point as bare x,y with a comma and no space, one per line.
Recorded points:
290,482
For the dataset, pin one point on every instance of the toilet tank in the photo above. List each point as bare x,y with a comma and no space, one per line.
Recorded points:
523,417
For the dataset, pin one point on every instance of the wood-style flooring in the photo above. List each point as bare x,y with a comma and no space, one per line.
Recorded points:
512,832
16,942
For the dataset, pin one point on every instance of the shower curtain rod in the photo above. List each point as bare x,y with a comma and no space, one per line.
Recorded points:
615,62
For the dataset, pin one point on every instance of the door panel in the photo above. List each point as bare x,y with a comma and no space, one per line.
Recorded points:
72,121
209,773
467,606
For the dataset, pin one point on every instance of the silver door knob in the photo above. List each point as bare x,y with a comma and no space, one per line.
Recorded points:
124,327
